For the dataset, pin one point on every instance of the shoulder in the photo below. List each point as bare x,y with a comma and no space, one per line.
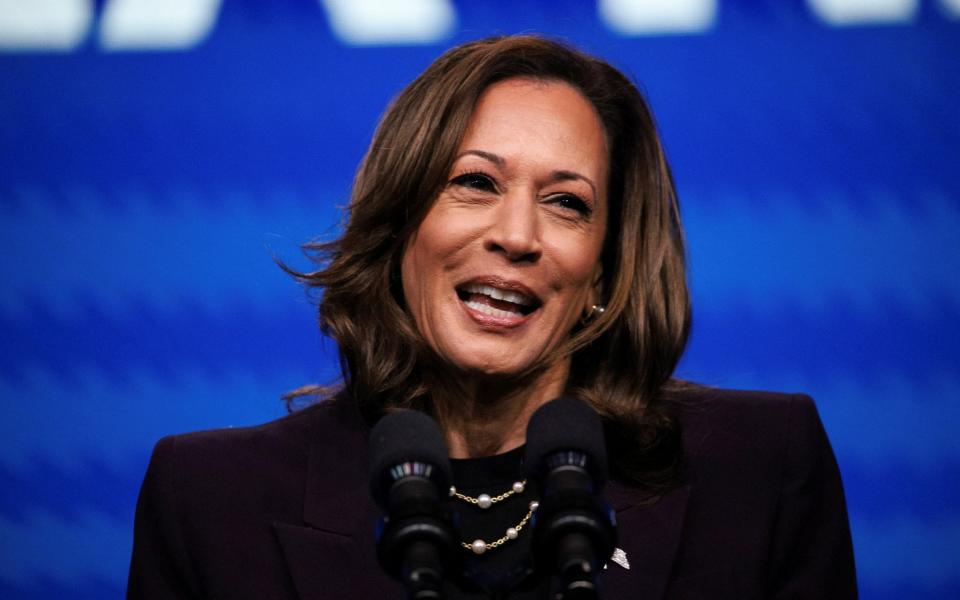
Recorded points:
755,419
211,500
235,446
736,435
237,464
764,487
695,400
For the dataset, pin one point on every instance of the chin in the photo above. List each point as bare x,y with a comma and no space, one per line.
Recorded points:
492,368
503,364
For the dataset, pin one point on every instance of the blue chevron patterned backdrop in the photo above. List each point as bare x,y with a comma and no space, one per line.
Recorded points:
156,156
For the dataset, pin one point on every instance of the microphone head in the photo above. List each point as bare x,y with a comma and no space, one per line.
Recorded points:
406,443
566,424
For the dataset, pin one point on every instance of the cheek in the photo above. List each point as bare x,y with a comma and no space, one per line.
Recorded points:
411,276
579,267
439,245
587,292
421,272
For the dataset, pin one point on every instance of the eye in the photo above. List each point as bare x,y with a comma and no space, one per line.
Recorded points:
475,181
572,202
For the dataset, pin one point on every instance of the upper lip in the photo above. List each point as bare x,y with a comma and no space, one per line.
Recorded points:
529,297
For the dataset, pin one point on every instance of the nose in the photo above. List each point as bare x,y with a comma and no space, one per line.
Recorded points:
515,230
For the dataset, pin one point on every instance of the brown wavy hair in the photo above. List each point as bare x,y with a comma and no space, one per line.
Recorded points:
623,360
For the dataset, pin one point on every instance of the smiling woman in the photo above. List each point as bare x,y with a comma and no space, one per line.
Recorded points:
507,259
524,166
513,236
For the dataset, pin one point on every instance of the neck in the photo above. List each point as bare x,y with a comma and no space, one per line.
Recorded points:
480,417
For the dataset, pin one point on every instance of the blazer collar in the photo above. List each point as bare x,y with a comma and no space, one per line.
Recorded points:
332,554
337,497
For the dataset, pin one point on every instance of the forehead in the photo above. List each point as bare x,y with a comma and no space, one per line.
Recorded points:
527,110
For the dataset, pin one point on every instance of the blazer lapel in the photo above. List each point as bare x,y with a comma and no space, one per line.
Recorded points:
649,535
332,554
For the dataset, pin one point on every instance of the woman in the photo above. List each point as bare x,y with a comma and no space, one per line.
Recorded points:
513,236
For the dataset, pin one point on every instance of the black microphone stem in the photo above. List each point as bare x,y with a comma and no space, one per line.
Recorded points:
409,480
574,532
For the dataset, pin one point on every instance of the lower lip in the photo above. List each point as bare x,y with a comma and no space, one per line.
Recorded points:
491,322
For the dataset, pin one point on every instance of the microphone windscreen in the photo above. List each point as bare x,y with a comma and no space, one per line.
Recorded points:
406,436
566,424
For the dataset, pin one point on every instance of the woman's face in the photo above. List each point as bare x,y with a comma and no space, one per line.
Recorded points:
508,257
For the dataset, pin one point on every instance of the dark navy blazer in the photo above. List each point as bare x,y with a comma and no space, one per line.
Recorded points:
283,511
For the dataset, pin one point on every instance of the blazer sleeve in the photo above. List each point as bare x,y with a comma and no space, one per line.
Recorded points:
812,554
160,565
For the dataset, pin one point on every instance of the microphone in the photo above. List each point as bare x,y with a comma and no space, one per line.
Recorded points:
574,532
409,480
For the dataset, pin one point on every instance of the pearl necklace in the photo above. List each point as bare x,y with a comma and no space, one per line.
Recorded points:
485,501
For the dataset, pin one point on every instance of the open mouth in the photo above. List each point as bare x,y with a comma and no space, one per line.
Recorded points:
497,302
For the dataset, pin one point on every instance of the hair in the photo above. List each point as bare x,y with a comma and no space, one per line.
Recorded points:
622,360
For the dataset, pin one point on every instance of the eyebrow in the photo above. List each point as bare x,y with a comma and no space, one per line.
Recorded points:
573,175
494,158
560,175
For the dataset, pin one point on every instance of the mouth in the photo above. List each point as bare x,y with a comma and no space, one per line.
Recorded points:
498,300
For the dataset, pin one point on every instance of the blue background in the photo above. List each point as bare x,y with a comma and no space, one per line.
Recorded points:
144,194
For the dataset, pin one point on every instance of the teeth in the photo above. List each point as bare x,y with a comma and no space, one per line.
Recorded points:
489,310
498,294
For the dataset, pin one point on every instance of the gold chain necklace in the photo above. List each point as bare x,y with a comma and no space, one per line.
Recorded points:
485,501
